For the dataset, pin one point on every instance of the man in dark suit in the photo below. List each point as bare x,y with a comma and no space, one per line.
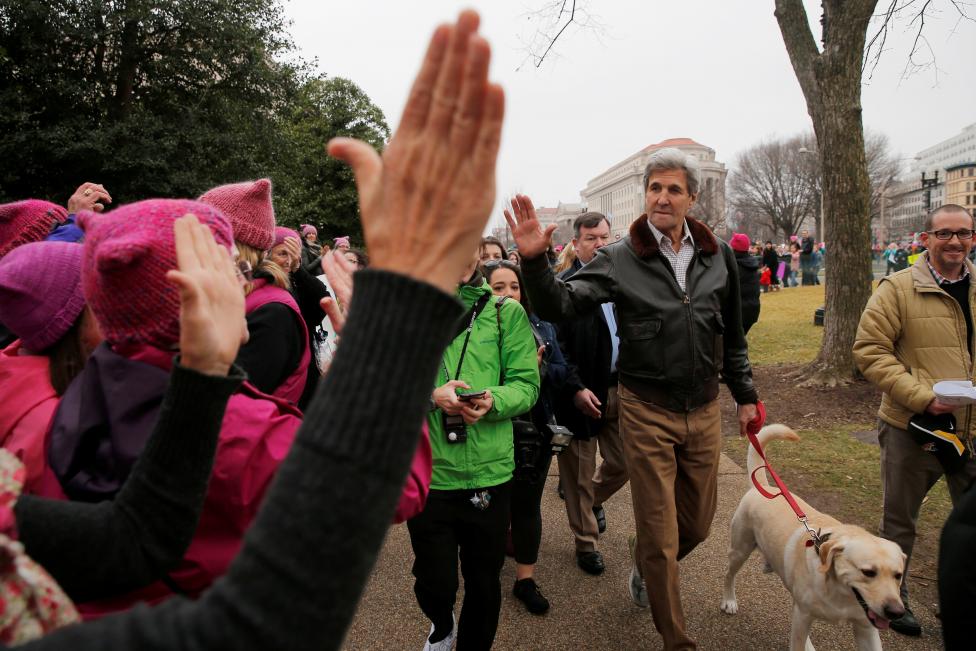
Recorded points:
589,407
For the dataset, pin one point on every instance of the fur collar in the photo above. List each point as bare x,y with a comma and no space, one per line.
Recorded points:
645,245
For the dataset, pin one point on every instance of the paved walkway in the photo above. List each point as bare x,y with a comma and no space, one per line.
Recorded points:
596,612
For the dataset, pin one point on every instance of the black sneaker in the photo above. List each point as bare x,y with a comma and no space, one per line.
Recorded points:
907,624
601,518
529,594
590,562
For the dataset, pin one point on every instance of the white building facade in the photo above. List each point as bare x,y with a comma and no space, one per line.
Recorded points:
618,192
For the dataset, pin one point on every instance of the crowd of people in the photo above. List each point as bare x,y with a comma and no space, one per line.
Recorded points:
214,418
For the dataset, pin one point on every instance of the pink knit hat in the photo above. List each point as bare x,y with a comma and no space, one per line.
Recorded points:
280,233
40,292
127,254
309,229
27,221
342,241
248,206
739,242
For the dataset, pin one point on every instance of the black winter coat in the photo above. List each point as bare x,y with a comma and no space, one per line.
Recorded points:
585,343
748,288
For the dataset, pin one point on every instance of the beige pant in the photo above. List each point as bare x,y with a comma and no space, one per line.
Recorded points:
585,485
673,460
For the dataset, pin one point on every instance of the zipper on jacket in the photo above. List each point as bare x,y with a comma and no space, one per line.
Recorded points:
691,336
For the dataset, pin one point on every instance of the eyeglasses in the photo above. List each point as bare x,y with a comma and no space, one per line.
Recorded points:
946,234
244,271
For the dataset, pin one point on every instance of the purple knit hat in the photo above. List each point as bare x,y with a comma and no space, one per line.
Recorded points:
280,233
127,254
248,206
40,292
27,221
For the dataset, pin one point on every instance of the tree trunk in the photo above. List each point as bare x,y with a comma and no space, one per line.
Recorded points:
831,84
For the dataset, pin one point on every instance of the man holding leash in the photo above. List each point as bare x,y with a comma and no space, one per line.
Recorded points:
917,330
676,292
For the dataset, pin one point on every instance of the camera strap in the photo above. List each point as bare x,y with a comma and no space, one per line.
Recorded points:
475,310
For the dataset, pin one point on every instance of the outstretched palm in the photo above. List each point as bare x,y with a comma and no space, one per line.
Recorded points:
530,239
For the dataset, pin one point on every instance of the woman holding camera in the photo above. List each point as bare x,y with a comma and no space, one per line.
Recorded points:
489,374
532,459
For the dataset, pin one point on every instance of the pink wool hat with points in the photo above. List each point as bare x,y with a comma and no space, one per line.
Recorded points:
123,275
40,292
248,206
739,242
280,233
27,221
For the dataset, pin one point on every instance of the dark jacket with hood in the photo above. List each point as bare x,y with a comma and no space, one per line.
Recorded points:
674,344
748,287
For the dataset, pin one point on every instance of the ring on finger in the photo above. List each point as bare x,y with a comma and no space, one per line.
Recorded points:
87,192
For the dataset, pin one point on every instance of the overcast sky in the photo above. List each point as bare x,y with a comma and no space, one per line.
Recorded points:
712,70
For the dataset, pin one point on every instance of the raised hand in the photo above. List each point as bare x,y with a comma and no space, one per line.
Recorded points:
294,248
89,196
530,239
212,325
425,203
339,271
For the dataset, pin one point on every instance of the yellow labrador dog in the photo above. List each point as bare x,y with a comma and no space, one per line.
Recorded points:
854,578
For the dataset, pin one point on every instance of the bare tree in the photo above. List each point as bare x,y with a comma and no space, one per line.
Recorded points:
771,183
709,208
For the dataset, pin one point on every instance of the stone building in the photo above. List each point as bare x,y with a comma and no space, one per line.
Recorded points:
619,191
961,185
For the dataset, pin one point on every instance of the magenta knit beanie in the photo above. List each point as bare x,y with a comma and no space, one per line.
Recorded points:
280,233
739,242
40,292
27,221
127,254
248,206
309,229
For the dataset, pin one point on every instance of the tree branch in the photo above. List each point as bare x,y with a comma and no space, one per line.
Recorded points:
802,49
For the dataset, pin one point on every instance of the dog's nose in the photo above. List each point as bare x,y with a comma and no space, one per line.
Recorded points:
894,610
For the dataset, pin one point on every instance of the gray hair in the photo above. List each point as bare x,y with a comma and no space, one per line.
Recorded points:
670,158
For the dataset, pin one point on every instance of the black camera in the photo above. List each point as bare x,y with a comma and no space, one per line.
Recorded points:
559,437
528,450
455,431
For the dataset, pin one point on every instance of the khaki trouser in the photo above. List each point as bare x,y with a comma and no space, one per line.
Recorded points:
586,486
908,473
673,460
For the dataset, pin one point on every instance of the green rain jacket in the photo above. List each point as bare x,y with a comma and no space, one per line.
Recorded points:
487,458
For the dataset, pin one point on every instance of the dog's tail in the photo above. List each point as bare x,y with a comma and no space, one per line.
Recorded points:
768,433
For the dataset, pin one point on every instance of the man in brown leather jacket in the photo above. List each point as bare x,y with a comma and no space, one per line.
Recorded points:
675,288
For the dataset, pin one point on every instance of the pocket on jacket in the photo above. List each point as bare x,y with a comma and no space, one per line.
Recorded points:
640,329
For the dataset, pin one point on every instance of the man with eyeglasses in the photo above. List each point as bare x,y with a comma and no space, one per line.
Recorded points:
917,330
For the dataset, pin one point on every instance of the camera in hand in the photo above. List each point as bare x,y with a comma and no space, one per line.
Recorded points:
455,431
560,437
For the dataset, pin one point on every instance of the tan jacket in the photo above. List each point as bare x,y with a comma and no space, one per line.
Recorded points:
912,335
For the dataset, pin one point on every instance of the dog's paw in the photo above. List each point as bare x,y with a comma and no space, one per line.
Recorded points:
729,606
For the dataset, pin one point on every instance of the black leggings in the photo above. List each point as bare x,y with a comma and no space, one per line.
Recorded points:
448,526
527,512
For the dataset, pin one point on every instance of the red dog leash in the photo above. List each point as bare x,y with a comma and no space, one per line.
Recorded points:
752,428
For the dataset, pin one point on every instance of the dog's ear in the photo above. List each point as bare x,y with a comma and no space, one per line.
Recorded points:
828,550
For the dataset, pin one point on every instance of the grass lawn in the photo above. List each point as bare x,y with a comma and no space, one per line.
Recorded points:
785,333
828,466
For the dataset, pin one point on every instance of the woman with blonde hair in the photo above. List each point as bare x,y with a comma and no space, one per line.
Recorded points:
276,357
566,258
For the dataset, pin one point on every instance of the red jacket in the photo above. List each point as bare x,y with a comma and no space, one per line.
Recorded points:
26,409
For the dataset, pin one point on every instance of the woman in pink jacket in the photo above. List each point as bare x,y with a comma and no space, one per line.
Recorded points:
42,304
107,414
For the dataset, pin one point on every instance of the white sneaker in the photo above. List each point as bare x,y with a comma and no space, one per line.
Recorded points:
447,643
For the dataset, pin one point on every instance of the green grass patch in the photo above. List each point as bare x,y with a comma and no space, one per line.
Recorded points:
840,475
785,333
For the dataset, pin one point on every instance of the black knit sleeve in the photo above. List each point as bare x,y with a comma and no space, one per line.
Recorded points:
96,550
297,581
